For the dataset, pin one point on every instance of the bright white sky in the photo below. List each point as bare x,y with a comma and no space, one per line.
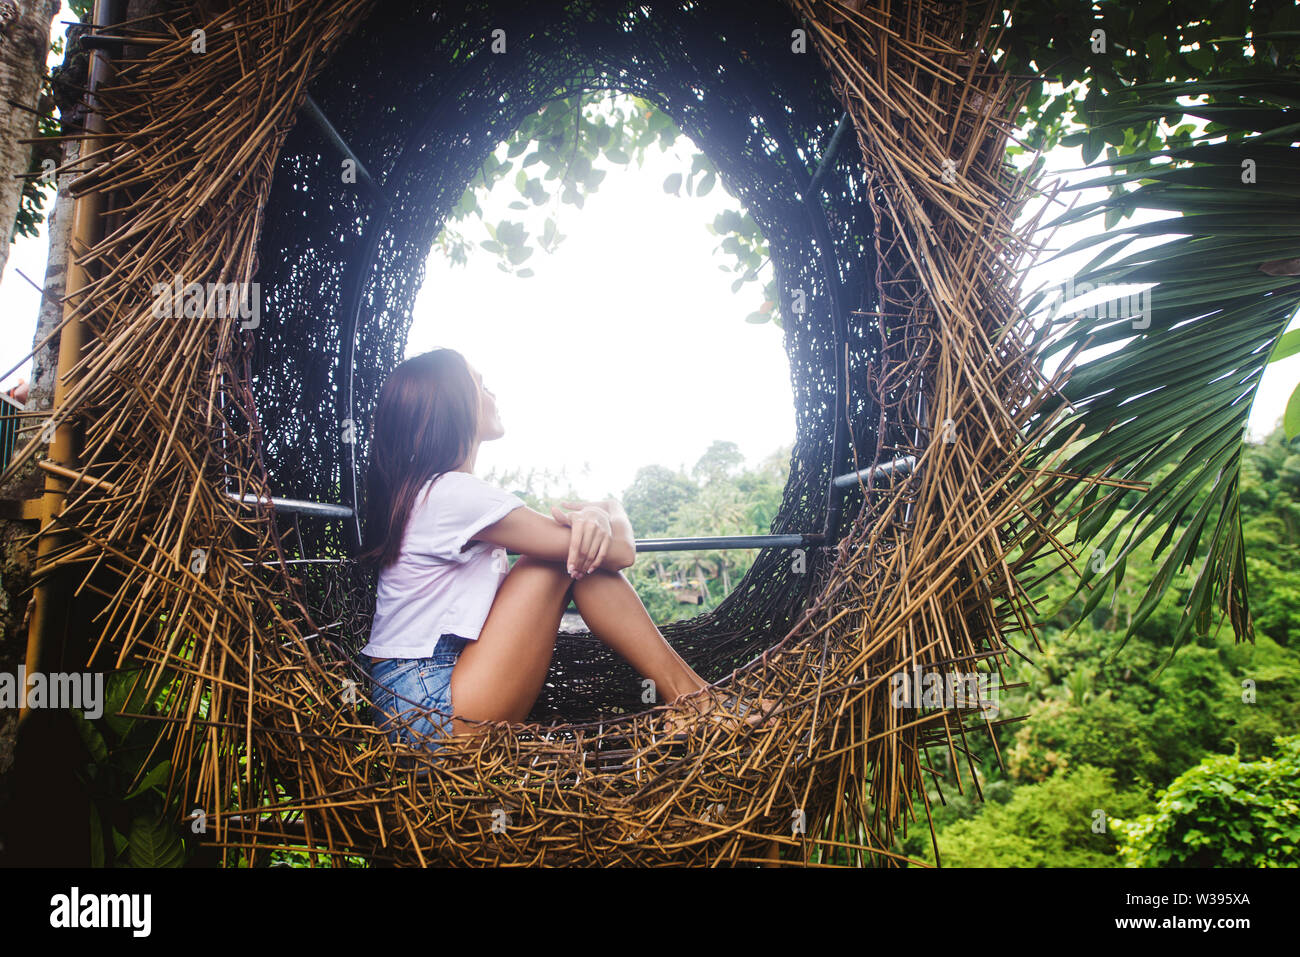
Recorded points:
626,348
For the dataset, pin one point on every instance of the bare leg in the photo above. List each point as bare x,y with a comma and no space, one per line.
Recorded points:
499,676
613,611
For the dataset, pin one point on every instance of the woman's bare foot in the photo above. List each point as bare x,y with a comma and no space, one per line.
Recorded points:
719,708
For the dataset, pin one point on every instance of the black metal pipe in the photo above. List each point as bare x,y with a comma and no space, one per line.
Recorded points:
111,45
839,329
317,116
357,275
295,506
701,543
902,465
833,147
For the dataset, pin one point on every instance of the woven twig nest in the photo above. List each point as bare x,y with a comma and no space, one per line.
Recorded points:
217,180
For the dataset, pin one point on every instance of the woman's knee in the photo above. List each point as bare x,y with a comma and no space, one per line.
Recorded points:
533,566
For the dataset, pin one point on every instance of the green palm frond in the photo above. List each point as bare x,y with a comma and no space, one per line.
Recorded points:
1170,405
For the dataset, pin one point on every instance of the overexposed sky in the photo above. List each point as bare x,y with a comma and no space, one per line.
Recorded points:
626,348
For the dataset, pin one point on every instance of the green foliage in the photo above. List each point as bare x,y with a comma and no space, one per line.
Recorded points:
154,843
37,189
1081,101
727,500
134,817
46,152
717,462
1224,812
280,857
1166,398
1268,707
654,497
1054,823
1088,86
1059,736
1270,502
560,151
1137,713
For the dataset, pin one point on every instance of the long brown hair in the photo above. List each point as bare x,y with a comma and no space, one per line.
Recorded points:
425,425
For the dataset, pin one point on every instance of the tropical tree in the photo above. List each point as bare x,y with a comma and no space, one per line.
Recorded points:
720,509
24,46
1187,355
654,497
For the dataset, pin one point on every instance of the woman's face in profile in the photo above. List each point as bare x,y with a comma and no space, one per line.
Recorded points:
490,426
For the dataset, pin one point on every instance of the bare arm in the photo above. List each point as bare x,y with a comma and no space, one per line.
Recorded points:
621,527
529,532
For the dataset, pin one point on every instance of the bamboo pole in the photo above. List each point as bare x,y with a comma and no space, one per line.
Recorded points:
87,229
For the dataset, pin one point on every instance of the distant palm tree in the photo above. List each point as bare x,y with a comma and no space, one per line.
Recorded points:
720,509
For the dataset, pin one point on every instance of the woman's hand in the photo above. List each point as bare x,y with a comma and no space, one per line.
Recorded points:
603,504
589,537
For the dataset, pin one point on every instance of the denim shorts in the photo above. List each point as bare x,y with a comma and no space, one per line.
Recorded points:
413,695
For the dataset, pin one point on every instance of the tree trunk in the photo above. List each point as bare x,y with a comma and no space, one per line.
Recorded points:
45,361
24,46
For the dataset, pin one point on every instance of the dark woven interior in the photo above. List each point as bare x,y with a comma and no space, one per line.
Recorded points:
421,99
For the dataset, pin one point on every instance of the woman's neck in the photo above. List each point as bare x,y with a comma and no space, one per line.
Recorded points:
468,464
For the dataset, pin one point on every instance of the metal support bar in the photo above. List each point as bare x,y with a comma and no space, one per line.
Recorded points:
833,147
795,540
295,506
318,117
356,277
839,328
112,45
903,464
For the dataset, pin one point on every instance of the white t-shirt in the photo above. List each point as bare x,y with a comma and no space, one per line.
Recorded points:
435,588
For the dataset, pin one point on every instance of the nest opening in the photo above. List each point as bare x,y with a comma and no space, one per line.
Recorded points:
340,266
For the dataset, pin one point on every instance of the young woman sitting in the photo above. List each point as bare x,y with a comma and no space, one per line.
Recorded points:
455,626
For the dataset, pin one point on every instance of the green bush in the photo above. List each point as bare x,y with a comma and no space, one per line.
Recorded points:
1059,736
1051,824
1224,812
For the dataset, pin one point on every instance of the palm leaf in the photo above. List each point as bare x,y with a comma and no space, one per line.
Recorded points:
1170,404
